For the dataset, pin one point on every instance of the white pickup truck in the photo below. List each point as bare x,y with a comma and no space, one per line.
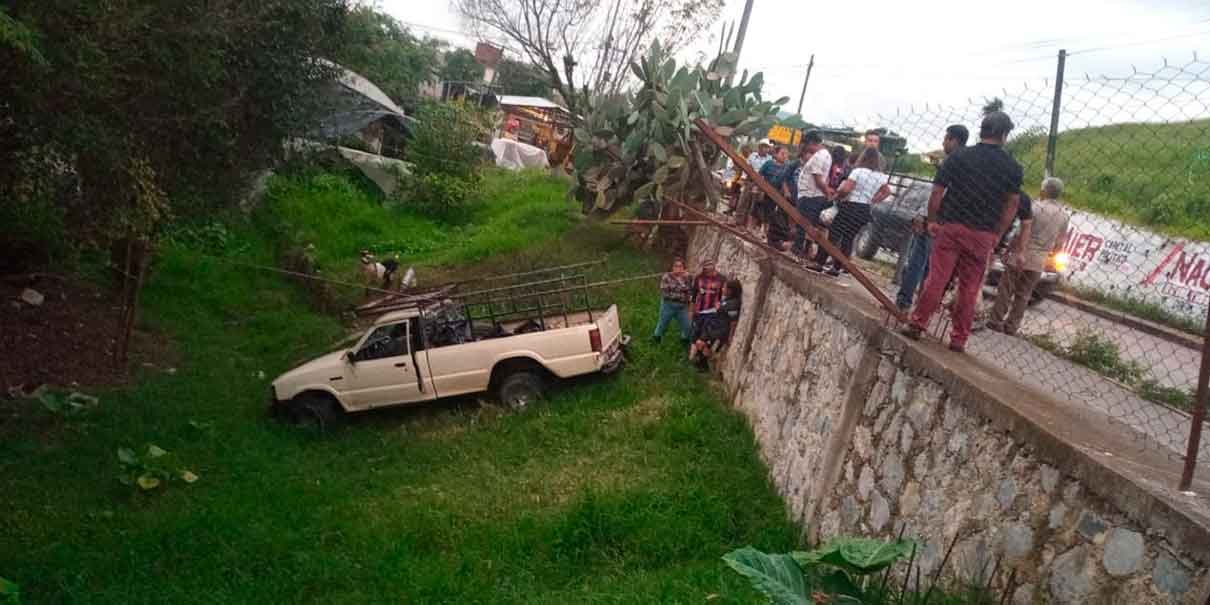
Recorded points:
421,354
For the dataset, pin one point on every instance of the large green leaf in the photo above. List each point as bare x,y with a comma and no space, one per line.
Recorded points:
755,83
644,192
733,117
794,121
657,150
638,71
776,576
782,101
858,555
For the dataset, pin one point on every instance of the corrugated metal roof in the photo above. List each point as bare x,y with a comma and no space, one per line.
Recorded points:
538,102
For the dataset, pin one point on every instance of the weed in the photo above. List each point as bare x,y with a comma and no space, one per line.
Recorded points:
10,592
149,469
1140,309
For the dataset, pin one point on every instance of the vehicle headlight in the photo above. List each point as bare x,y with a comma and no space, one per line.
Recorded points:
1060,262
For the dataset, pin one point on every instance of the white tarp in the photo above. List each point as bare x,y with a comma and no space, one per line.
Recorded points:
384,171
515,155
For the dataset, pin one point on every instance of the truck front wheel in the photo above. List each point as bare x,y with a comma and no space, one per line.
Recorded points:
520,389
315,412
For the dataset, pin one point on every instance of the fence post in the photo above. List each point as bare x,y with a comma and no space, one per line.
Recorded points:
1054,115
1199,409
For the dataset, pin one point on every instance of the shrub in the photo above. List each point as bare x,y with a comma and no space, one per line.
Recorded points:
443,196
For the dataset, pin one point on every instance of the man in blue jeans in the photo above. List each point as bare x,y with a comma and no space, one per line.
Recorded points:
917,264
813,189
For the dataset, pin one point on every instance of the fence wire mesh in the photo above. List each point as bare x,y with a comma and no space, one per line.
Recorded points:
1097,291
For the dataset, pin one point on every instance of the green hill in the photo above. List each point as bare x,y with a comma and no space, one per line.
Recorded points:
1152,175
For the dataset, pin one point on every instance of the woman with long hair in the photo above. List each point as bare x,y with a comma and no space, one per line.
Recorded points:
865,186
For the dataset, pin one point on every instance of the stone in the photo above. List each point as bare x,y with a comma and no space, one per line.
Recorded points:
1124,550
880,512
1024,595
1006,494
920,466
850,512
909,502
899,388
32,297
862,442
952,415
1090,525
1169,576
1017,541
892,473
1050,478
886,370
957,443
1058,516
906,437
865,484
850,475
1070,578
1071,492
852,355
920,413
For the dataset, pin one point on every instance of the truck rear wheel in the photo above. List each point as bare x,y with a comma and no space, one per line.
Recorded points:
520,389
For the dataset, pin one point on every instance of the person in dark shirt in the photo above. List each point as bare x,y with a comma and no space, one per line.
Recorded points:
707,289
975,198
715,328
922,243
773,171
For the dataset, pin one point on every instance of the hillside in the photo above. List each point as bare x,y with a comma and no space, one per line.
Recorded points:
1151,175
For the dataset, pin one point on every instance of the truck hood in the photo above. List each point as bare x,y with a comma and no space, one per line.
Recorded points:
324,364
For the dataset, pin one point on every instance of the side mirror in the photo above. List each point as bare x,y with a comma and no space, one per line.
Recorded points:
350,356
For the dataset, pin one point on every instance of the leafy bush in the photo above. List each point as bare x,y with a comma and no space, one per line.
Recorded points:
213,238
10,592
445,159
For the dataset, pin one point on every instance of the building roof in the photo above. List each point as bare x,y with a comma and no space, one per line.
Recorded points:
538,102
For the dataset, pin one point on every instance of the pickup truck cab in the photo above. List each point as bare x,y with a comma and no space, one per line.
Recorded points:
426,353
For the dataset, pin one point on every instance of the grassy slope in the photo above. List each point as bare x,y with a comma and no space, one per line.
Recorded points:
618,490
1154,175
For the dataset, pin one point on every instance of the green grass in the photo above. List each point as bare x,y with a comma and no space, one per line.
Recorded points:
624,489
1152,175
337,216
1138,308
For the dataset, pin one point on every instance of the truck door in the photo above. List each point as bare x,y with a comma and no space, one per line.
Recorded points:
382,371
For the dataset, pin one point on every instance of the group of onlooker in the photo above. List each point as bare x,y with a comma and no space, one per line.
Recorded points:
976,198
705,307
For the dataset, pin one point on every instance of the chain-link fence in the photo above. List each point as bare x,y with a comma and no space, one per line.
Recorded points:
1092,285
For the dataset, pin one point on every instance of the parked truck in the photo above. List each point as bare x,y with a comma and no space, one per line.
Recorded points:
510,341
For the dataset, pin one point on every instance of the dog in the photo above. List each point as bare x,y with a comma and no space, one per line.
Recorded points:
378,272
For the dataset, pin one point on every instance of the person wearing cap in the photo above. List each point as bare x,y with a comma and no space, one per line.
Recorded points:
761,155
975,198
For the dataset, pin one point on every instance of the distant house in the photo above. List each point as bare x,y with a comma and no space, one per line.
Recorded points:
356,107
539,122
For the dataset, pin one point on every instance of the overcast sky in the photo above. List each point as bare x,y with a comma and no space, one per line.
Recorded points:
873,58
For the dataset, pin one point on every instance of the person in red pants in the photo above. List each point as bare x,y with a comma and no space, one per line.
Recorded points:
975,197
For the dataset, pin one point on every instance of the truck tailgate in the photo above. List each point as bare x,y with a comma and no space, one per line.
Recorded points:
610,327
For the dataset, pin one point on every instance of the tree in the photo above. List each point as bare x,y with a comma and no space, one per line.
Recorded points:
520,78
585,46
380,48
461,66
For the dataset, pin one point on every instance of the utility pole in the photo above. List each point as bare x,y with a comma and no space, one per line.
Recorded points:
739,39
804,83
1053,136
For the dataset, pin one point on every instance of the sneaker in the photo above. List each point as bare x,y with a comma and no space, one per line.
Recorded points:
996,326
911,332
903,308
812,266
832,271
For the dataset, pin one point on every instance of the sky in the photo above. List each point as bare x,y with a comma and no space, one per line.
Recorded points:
876,58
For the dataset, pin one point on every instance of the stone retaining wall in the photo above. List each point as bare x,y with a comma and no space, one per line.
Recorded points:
868,434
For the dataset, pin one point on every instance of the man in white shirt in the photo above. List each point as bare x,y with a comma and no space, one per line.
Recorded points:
758,159
813,190
1037,239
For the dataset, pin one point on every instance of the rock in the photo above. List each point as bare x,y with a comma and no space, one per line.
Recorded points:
865,484
850,512
1170,576
909,502
899,388
957,443
260,374
1017,541
1090,525
1070,578
1050,478
1124,550
32,297
952,415
1006,494
1024,595
1058,516
920,466
892,473
906,437
862,442
852,355
16,305
171,371
880,512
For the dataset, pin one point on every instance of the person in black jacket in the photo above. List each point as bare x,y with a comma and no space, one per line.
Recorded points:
716,327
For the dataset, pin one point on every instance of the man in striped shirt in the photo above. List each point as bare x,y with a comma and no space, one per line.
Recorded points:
707,289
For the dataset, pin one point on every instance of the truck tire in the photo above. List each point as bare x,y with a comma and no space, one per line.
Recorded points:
315,412
865,245
521,388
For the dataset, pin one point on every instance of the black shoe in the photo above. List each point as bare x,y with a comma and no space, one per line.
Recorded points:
911,332
833,271
957,348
